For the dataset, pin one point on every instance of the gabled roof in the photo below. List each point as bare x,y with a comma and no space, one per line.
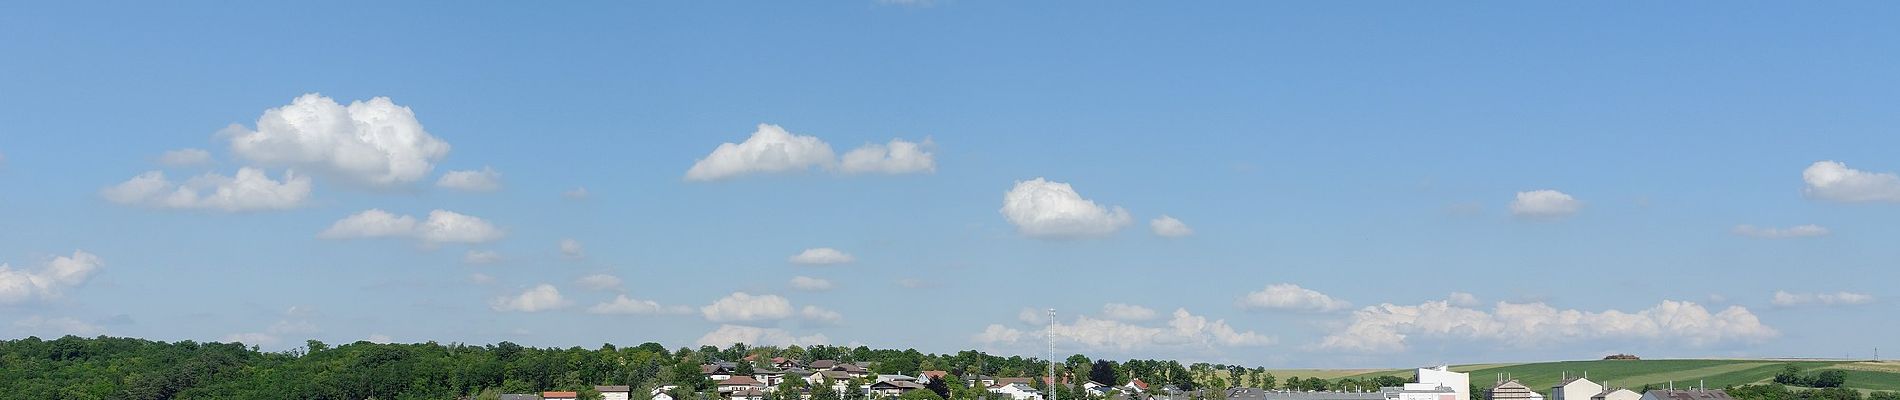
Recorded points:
560,394
1567,382
824,364
615,389
1138,384
906,385
933,374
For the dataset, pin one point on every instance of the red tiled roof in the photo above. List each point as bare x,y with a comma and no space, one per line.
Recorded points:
560,394
935,374
740,380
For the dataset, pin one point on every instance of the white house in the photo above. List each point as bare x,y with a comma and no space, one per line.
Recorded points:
1459,382
1017,391
1578,388
1514,390
661,392
1618,394
614,392
1420,391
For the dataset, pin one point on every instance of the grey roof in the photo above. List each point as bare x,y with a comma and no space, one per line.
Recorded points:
604,388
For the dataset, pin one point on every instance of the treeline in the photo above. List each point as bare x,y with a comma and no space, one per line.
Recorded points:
1776,391
1824,379
128,368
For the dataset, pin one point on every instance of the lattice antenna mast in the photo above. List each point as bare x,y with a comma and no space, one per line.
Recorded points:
1052,353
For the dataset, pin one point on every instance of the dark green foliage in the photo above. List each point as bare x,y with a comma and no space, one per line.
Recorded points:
1825,379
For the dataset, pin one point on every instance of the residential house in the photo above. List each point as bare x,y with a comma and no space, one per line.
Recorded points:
746,393
886,377
979,380
1457,381
1575,388
1514,390
663,392
822,365
1135,386
1617,394
1690,394
560,395
784,363
1016,391
895,387
771,377
718,371
614,392
1097,388
1420,391
928,376
739,383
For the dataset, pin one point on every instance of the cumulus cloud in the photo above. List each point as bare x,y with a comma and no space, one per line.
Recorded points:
1046,209
1834,181
481,257
441,227
1544,204
822,256
541,297
1167,226
485,180
1291,297
571,248
1786,299
374,143
623,305
819,314
184,158
1032,316
1184,329
378,338
599,282
1388,327
1462,299
726,335
898,157
272,336
1127,312
250,190
742,306
771,149
18,286
55,327
1797,231
807,283
997,333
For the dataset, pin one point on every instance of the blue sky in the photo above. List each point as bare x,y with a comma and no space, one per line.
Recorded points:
1341,168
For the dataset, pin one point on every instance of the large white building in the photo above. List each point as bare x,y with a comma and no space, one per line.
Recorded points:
1459,382
1578,388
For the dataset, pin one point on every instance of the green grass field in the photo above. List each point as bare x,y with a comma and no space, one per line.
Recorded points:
1636,374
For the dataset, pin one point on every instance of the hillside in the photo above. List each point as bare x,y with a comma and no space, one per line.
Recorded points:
1865,375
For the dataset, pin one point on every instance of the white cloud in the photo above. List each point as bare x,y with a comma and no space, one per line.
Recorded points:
742,306
1834,181
1045,209
571,248
251,338
485,180
1797,231
579,193
272,335
185,158
1167,226
1184,329
770,150
1544,204
807,283
1462,299
250,190
815,313
726,335
822,256
898,157
599,282
378,338
481,257
50,281
623,305
1032,316
375,143
1127,312
997,333
1388,327
441,227
56,327
1786,299
542,297
1291,297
